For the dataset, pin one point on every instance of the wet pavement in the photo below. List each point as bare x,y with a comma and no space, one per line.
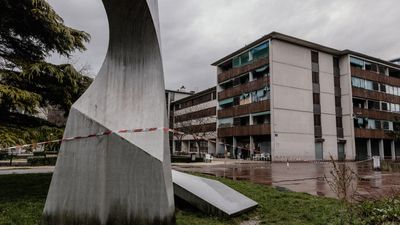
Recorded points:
299,177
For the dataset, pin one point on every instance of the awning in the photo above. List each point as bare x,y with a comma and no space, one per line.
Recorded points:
226,101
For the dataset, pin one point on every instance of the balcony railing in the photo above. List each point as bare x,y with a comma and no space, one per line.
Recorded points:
375,95
373,76
224,76
372,133
376,114
261,129
244,88
241,110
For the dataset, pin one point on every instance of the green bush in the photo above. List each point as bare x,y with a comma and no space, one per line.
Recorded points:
17,129
385,211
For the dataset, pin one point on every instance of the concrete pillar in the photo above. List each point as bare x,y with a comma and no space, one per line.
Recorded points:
234,148
251,77
381,149
369,150
251,120
393,148
252,146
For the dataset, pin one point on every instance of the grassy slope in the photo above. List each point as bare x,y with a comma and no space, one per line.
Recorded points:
22,199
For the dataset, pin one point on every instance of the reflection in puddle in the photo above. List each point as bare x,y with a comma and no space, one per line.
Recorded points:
299,177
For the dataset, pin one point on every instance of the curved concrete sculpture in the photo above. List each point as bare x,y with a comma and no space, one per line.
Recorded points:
121,178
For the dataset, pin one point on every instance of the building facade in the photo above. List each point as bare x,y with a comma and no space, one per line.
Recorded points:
195,116
297,100
396,61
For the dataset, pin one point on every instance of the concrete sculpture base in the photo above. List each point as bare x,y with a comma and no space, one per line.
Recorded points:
118,179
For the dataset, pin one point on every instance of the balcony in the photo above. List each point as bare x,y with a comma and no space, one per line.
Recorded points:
261,129
375,95
375,114
244,88
224,76
374,134
241,110
374,76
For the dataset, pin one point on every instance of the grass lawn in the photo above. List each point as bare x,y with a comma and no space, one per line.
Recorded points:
22,199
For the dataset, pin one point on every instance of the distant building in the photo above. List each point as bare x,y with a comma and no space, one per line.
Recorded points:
396,61
170,97
298,100
196,117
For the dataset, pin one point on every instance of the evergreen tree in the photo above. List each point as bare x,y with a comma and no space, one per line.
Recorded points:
30,31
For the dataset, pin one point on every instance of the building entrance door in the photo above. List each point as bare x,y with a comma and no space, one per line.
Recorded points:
341,152
319,151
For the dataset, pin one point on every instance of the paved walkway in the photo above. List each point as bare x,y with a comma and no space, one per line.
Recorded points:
299,177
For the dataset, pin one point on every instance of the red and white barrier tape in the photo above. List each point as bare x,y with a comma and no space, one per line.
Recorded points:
106,133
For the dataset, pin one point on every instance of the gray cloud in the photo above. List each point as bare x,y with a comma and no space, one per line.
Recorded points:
195,33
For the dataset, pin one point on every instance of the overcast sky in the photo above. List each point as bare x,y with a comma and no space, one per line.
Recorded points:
195,33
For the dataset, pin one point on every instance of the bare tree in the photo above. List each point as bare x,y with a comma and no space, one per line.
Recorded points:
197,124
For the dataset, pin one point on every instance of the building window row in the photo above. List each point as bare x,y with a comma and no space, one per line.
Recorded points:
372,124
261,51
246,98
196,101
246,78
375,86
376,105
373,67
252,119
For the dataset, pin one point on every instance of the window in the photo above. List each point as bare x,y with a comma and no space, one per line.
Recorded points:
356,82
260,51
386,125
260,73
241,121
382,70
317,120
371,67
378,124
360,122
383,87
395,91
338,101
316,99
203,146
339,122
236,100
384,106
371,124
227,122
236,62
375,86
389,89
337,81
314,57
226,103
357,63
392,107
315,77
368,85
373,105
359,103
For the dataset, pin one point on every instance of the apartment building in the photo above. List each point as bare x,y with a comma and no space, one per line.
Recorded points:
298,100
196,117
396,61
